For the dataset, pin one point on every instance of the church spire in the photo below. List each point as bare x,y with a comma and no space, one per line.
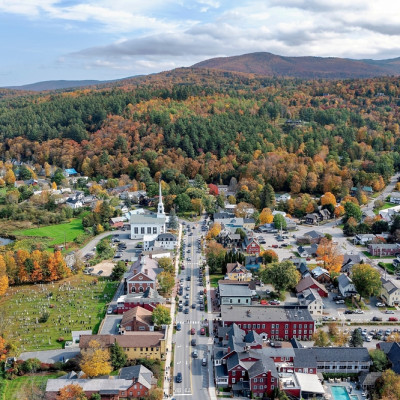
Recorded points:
160,209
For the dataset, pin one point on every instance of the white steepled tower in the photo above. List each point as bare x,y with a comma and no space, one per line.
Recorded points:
160,209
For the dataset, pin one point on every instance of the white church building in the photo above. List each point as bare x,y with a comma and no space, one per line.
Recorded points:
149,224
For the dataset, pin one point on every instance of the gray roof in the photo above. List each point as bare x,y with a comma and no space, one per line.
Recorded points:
89,385
329,354
314,234
223,215
369,378
166,236
308,296
304,357
150,219
344,280
389,285
234,290
138,373
238,314
261,366
385,246
392,350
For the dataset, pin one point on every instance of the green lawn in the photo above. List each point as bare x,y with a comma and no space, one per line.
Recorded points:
20,387
58,233
214,280
76,303
366,253
384,207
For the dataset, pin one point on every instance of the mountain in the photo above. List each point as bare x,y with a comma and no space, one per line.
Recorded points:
54,85
269,64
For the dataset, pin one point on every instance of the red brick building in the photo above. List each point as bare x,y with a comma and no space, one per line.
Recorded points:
310,283
149,300
272,322
136,319
143,275
251,246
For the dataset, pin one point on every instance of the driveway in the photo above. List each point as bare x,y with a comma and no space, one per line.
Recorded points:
51,356
110,324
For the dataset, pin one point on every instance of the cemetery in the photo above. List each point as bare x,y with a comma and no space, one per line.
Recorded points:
42,316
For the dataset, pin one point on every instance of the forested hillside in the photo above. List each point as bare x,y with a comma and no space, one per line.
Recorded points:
217,124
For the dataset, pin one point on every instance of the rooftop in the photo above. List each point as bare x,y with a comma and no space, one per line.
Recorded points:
130,339
234,290
236,313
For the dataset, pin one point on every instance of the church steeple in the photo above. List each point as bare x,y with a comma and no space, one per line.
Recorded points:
160,209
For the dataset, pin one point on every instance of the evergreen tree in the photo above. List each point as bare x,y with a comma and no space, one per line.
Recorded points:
173,220
267,196
356,338
117,356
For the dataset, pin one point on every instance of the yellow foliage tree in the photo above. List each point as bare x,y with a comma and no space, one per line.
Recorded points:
47,169
3,349
328,198
54,186
9,177
339,211
328,253
2,182
3,284
197,205
95,360
266,216
214,231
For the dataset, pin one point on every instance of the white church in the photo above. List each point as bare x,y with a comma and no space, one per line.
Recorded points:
149,224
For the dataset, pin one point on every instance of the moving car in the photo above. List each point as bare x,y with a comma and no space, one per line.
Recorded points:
193,306
195,354
203,331
193,331
380,305
178,326
179,377
193,342
204,362
339,301
186,311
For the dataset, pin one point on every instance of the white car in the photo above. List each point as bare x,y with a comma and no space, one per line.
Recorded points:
358,311
339,301
380,305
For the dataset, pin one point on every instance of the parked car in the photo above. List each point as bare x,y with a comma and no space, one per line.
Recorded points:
179,377
203,331
204,362
339,301
193,342
193,305
348,312
393,319
380,304
376,319
195,354
275,246
389,312
358,311
178,326
337,298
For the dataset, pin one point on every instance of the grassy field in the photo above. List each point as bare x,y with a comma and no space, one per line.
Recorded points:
76,303
58,233
214,280
20,387
384,207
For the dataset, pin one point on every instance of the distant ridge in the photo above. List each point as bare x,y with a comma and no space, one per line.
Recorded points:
268,64
54,85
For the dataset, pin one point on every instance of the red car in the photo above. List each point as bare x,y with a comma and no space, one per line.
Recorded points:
202,331
275,246
193,331
393,319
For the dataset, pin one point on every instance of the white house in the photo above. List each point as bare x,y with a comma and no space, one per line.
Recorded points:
346,286
74,203
311,298
149,224
162,241
395,198
283,197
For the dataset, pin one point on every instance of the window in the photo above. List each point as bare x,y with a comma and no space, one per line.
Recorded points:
273,326
154,229
272,387
255,387
286,332
300,326
255,380
233,373
230,300
294,332
263,326
277,326
294,326
286,326
258,326
141,349
254,326
136,230
233,380
243,372
141,289
239,325
141,328
149,229
238,301
142,230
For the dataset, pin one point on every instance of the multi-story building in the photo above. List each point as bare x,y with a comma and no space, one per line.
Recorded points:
272,322
390,291
136,319
149,300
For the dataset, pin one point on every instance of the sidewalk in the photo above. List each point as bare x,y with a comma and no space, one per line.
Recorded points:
168,379
211,383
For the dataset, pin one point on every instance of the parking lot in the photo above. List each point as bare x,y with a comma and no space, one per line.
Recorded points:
130,251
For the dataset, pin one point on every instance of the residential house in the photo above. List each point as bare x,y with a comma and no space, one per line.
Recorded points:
324,214
250,245
389,213
69,172
238,272
392,351
384,249
166,241
395,197
74,203
346,286
307,252
234,294
117,222
149,299
311,299
390,291
222,217
310,283
273,322
135,344
142,378
136,319
314,236
368,380
321,275
301,264
228,239
311,219
363,239
348,261
282,197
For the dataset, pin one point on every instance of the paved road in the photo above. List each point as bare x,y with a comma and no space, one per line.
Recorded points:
195,380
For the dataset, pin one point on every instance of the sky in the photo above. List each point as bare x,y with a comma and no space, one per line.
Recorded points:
109,39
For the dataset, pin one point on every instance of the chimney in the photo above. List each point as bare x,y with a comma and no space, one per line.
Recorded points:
135,271
249,313
146,271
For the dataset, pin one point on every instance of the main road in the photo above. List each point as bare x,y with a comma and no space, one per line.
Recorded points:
195,376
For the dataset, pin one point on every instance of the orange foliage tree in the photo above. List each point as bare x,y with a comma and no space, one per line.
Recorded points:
71,392
329,254
266,216
214,231
328,198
